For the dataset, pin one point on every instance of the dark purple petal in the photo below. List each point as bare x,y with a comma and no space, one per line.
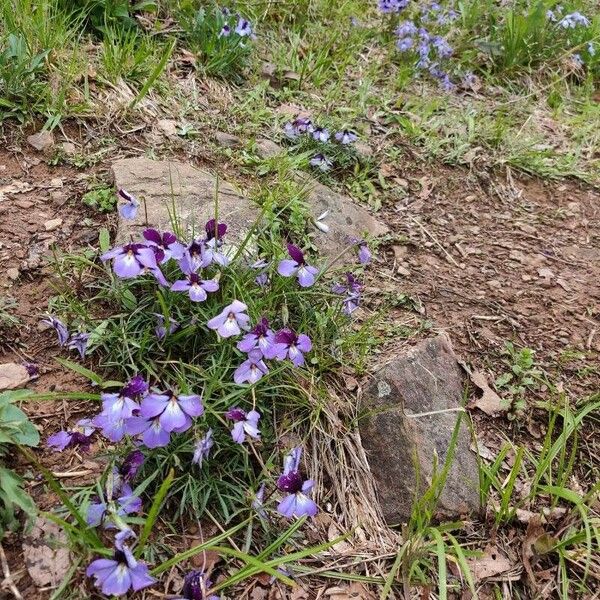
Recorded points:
295,253
152,235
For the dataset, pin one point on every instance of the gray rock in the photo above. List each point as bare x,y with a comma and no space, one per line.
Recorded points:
52,224
397,436
267,149
164,186
227,140
345,219
12,376
167,127
69,148
41,141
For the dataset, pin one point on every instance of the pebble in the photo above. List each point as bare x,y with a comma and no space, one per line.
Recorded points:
12,273
23,203
42,140
12,376
52,224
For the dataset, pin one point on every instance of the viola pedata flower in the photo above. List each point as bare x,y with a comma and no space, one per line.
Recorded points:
225,31
351,289
131,260
320,134
243,27
195,287
80,436
130,208
252,369
573,20
203,447
174,412
165,245
298,127
61,329
297,266
346,137
392,6
131,465
296,503
161,330
195,586
364,254
290,345
79,342
245,424
152,433
321,162
261,338
405,44
231,320
406,29
120,503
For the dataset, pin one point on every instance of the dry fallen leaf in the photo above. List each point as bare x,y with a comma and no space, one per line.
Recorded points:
536,543
354,591
492,563
490,402
46,553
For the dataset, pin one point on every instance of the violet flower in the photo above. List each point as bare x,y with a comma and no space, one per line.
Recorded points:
214,229
117,408
297,266
193,256
252,369
290,345
573,20
61,329
33,369
130,208
161,330
130,260
165,246
195,585
245,424
406,29
297,127
243,27
137,386
79,342
152,433
364,254
320,134
131,465
123,572
321,162
80,436
392,6
261,337
225,31
203,447
231,320
351,289
404,44
195,287
174,412
125,504
346,136
297,503
262,279
257,502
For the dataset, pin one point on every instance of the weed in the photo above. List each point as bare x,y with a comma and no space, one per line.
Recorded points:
100,197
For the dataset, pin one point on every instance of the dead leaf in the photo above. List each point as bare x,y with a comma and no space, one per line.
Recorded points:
492,563
427,185
14,187
537,542
490,402
354,591
46,553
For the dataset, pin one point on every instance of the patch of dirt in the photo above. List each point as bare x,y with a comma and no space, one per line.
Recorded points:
517,260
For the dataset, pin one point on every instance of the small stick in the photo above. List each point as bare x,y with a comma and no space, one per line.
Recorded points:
7,581
436,242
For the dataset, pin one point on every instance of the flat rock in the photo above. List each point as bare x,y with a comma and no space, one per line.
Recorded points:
12,376
167,126
41,141
227,140
345,218
162,186
400,433
52,224
266,148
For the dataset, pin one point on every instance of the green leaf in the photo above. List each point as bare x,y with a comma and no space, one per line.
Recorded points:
104,240
80,370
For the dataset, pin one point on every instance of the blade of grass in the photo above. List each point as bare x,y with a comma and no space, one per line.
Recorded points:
160,67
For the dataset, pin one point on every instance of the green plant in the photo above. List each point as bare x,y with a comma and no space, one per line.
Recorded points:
102,198
522,378
15,430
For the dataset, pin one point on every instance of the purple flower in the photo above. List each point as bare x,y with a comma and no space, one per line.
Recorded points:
573,20
136,386
209,247
351,289
79,436
195,585
260,337
257,503
193,257
392,6
121,502
406,29
117,408
231,320
297,266
226,31
296,503
161,330
131,465
79,342
33,369
131,260
262,279
469,80
193,285
243,27
346,136
174,412
404,44
297,127
152,432
245,424
441,46
252,369
59,327
118,575
203,447
130,208
364,254
165,246
320,134
321,162
290,345
214,230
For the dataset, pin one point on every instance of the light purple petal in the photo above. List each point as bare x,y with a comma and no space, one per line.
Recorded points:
95,513
303,343
59,441
127,266
197,293
181,285
172,417
210,285
237,433
287,268
154,404
191,405
140,577
247,343
306,275
155,436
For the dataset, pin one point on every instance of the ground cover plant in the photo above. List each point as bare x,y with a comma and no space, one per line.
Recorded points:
197,388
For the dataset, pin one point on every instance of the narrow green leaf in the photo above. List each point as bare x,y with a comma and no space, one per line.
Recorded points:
80,370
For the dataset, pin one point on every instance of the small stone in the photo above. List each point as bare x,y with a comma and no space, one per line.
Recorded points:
41,141
53,224
168,127
25,204
12,273
266,148
412,406
68,148
364,149
227,140
12,376
403,271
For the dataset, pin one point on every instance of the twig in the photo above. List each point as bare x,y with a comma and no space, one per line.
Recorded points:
7,581
435,241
